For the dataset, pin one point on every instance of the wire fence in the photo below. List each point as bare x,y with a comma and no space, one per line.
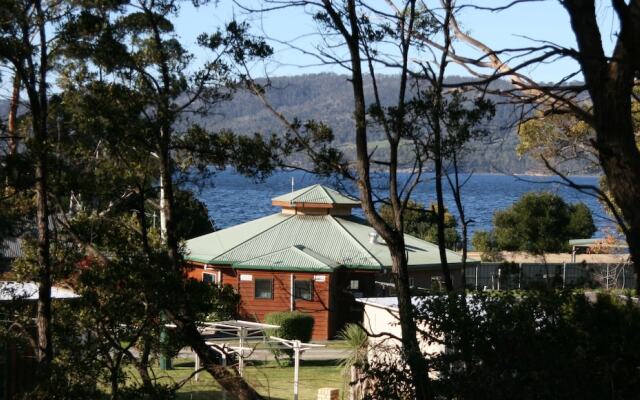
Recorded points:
508,276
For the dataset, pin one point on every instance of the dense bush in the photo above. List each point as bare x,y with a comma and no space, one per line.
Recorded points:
529,345
421,222
294,325
537,223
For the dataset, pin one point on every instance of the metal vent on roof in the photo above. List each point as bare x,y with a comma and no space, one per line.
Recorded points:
373,237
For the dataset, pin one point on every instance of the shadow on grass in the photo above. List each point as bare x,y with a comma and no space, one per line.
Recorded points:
267,377
215,395
289,364
184,364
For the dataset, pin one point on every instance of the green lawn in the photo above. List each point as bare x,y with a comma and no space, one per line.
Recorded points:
269,379
329,344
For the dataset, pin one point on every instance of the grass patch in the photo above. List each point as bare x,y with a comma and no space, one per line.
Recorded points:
329,344
267,378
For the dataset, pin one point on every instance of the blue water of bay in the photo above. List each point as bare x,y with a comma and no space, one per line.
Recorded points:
233,199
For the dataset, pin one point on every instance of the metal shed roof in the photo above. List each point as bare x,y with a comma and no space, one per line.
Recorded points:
10,248
596,241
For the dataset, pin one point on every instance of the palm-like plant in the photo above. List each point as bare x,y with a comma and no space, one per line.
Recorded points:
357,341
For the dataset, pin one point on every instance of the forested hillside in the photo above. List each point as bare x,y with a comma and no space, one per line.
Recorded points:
328,98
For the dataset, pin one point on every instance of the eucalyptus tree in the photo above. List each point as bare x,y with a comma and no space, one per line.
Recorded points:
602,97
132,54
369,40
28,43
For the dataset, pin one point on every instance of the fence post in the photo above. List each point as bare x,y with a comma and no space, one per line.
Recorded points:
564,274
519,275
607,276
499,274
624,280
477,266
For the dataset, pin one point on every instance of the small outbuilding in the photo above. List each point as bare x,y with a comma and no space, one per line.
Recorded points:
314,256
381,320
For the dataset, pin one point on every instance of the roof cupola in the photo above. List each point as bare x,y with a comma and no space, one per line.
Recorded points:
315,200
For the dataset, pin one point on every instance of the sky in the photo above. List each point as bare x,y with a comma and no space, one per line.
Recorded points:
516,27
519,26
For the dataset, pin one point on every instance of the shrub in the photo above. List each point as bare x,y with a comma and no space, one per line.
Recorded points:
294,325
421,222
537,223
530,345
485,243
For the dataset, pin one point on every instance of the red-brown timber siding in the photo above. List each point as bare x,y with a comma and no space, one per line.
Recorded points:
256,309
253,308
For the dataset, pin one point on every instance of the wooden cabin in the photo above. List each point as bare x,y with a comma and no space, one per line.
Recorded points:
314,256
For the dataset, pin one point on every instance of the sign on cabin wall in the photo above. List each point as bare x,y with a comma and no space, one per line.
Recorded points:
319,278
245,277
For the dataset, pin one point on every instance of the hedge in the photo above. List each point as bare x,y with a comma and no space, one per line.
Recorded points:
294,325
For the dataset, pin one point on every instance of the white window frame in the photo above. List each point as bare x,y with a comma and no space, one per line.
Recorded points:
213,275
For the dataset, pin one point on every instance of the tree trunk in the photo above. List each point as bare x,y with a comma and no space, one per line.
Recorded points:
142,365
610,82
456,189
229,381
410,345
437,114
393,237
620,161
440,215
465,243
43,317
115,377
183,318
13,115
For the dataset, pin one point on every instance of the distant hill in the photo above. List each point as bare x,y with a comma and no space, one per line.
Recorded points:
328,98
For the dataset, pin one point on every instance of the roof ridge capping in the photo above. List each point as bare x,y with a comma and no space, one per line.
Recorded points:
308,252
290,258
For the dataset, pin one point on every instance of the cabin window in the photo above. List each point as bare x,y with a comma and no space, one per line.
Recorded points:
264,289
354,284
209,278
303,289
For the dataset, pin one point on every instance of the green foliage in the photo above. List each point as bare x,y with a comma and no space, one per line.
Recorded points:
194,216
567,144
219,303
485,243
537,223
294,325
422,222
534,345
581,223
589,344
357,342
563,140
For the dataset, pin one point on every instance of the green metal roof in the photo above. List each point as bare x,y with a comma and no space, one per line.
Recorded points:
294,258
309,243
205,248
421,253
316,194
319,233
